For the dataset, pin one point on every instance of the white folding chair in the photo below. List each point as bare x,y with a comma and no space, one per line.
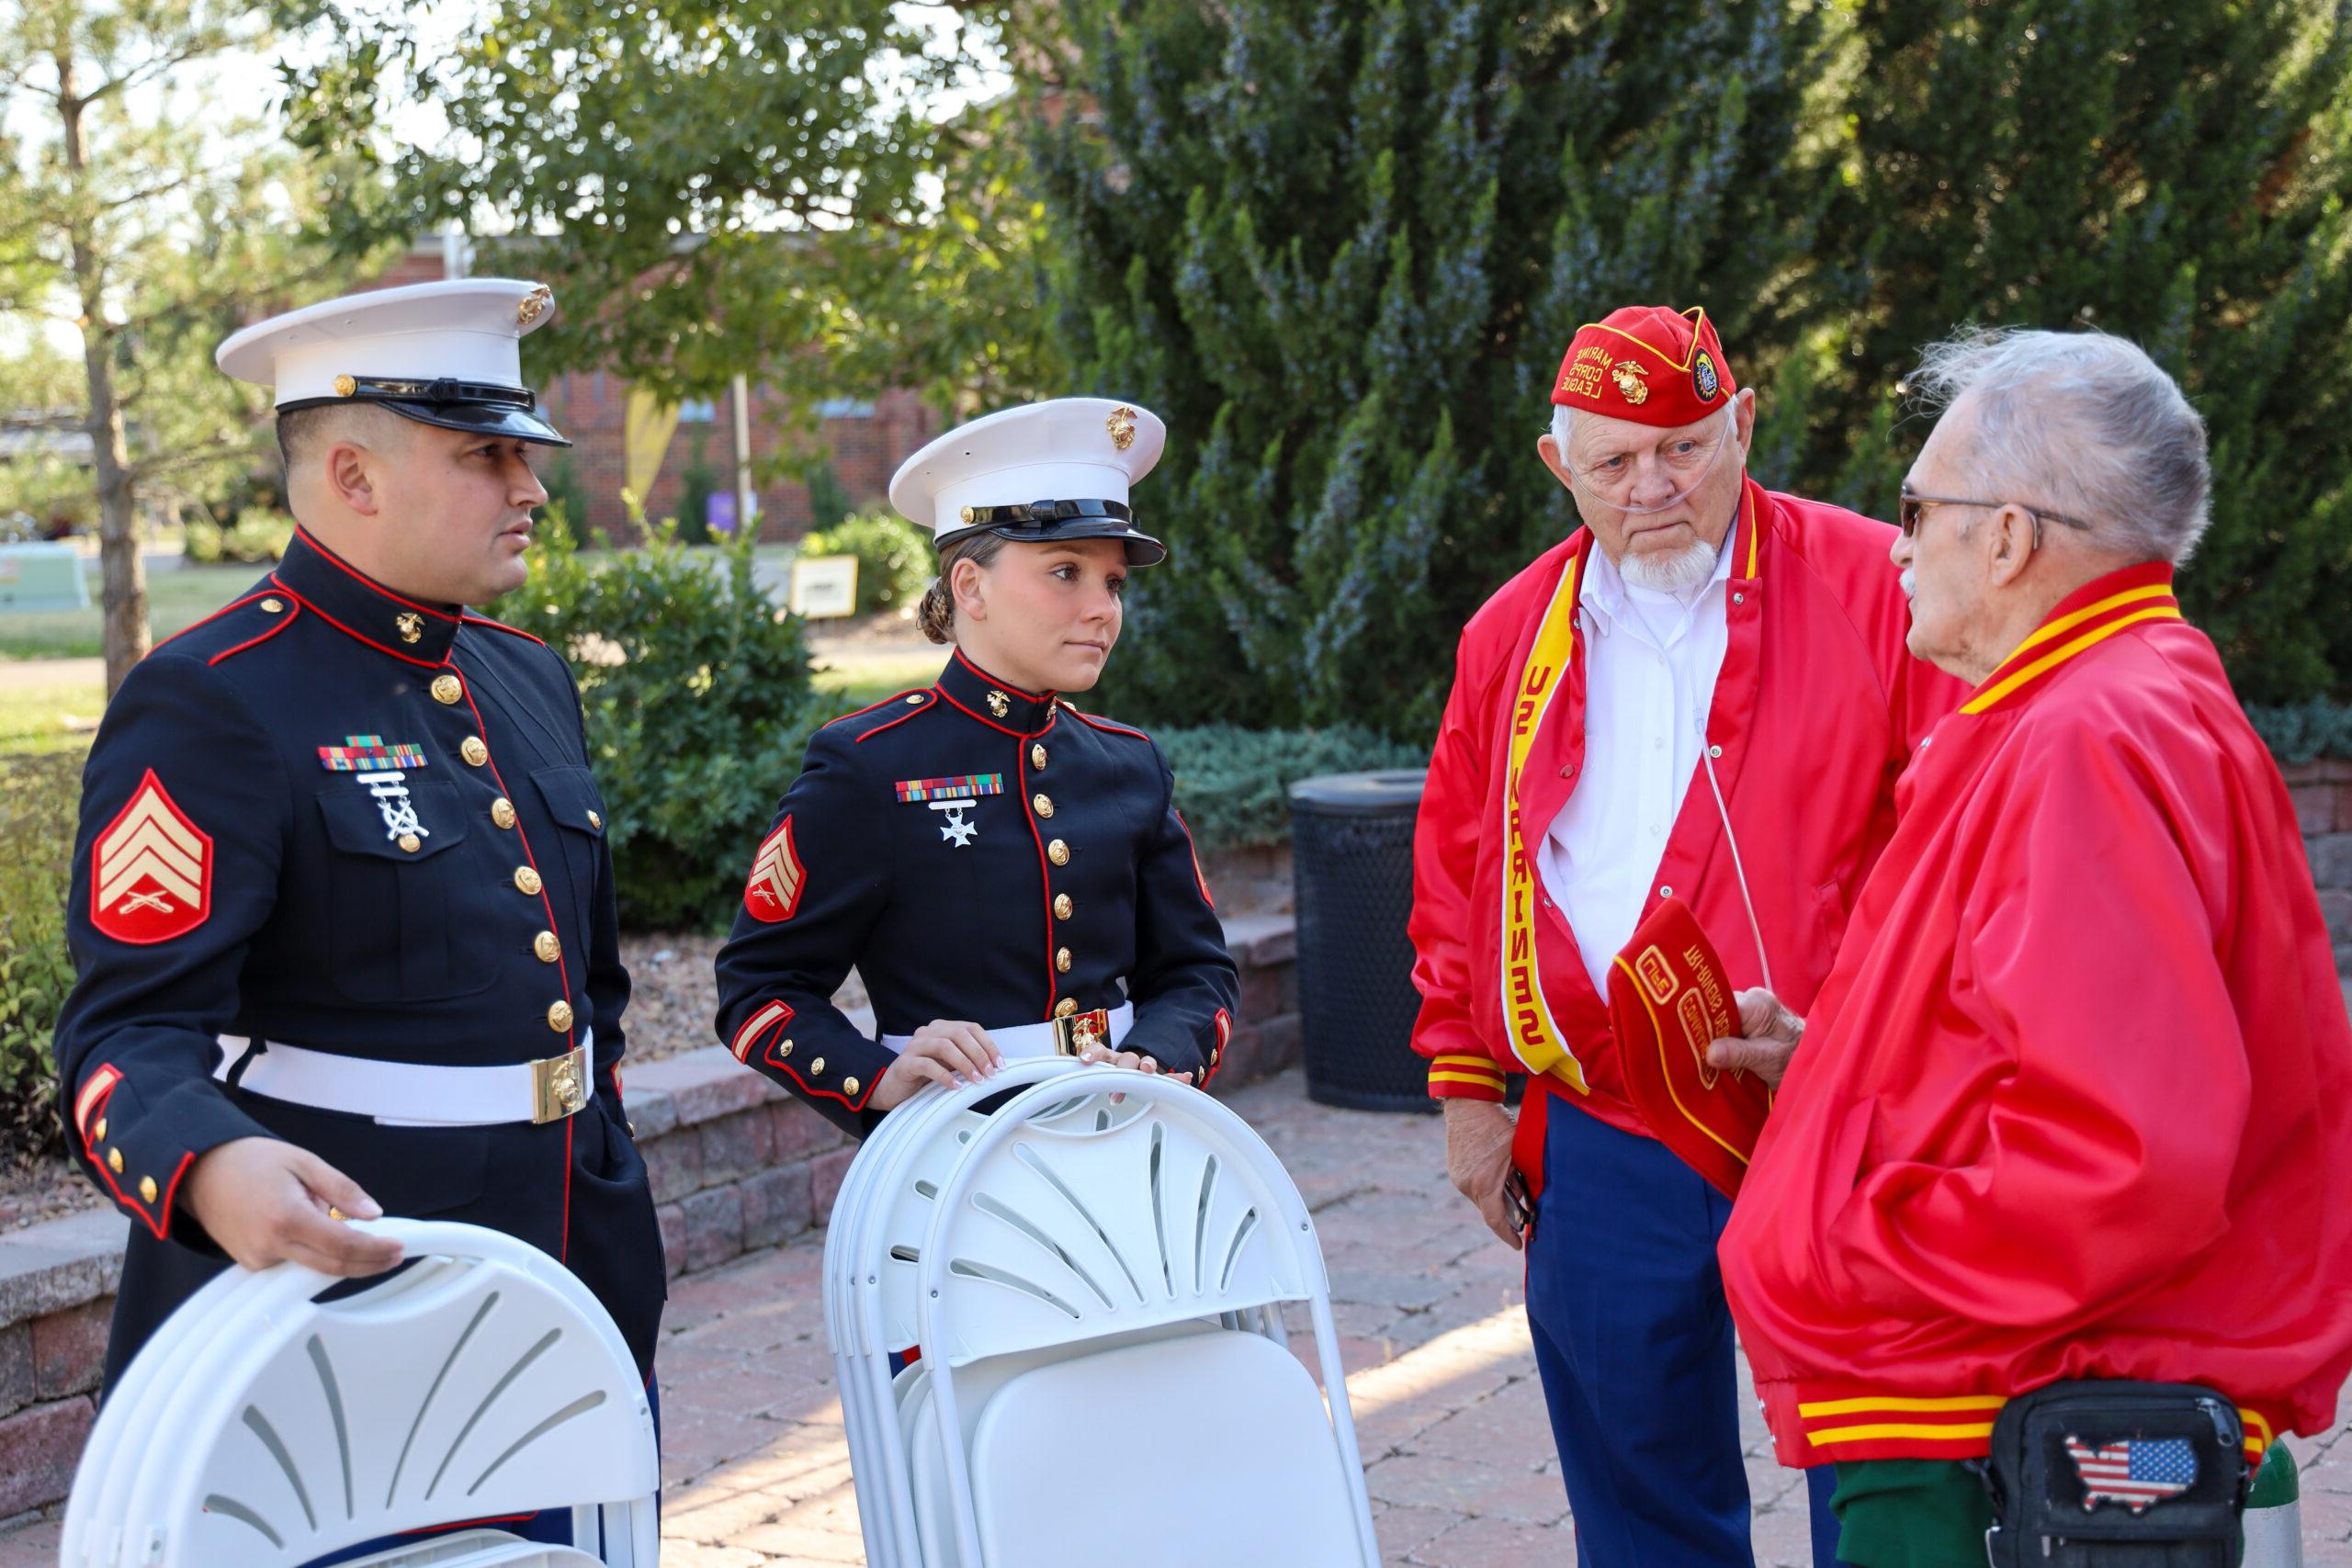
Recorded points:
264,1429
1073,1270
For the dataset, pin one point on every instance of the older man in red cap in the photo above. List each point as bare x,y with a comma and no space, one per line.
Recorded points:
1704,695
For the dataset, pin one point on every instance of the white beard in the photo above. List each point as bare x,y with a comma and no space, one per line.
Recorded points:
1681,573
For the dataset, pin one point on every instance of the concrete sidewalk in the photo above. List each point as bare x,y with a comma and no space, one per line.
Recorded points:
1457,1451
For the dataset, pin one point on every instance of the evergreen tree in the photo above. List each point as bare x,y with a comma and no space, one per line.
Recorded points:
2176,175
1342,247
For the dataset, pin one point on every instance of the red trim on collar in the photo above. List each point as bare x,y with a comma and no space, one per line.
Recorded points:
355,636
258,641
949,697
368,582
1012,690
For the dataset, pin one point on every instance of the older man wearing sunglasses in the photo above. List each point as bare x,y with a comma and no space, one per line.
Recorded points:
2076,1100
1702,694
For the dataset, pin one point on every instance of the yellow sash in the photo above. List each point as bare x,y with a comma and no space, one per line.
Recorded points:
1534,1038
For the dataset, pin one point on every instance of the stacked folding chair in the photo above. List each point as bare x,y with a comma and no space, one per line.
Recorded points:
1093,1269
263,1427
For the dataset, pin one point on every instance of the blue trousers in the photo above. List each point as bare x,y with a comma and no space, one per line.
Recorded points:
1634,1343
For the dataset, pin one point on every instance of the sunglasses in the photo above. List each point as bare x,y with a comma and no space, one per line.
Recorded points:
1911,509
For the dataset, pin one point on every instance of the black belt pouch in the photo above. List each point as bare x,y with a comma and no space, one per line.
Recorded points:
2111,1474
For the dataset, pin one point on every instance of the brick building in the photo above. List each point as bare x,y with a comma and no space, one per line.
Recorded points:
865,442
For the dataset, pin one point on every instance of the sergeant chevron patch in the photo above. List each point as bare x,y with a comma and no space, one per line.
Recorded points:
773,894
151,870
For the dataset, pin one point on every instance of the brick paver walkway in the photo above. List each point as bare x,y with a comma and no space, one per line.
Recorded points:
1450,1415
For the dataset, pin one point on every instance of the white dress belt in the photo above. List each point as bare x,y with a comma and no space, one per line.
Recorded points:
413,1094
1020,1041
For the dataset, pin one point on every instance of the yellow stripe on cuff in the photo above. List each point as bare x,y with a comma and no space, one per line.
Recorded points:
1470,1079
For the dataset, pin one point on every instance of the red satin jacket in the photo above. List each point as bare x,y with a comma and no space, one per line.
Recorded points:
2076,1100
1816,710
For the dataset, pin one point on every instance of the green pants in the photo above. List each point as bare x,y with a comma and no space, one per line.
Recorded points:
1910,1513
1928,1513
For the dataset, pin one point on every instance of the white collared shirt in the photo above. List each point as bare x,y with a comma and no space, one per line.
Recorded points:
1650,663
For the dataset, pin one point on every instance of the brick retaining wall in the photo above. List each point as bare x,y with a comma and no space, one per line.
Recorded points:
735,1164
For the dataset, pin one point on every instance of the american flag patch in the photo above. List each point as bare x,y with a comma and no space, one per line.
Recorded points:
2137,1472
369,754
964,787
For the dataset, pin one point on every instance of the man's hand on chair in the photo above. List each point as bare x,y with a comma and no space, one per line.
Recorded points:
1477,1157
264,1201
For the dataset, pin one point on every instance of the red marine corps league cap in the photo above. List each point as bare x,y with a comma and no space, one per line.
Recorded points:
1647,364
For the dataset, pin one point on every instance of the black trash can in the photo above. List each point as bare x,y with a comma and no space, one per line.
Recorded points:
1351,865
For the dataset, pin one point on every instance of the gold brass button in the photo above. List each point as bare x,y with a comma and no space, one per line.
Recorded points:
594,820
147,1188
448,688
1062,906
272,606
410,843
915,700
559,1017
1059,853
849,1086
114,1161
1061,959
785,1049
817,1066
501,811
1038,758
101,1128
1064,1007
546,947
1044,806
526,880
474,751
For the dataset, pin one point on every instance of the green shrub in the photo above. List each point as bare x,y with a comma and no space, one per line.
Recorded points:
828,502
699,703
894,557
1233,784
257,537
39,795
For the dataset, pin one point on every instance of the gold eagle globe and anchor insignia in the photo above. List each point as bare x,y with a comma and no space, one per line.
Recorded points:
999,703
534,305
411,625
1122,427
1628,374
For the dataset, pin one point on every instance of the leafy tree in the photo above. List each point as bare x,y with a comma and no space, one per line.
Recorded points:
714,186
151,223
2176,174
1341,249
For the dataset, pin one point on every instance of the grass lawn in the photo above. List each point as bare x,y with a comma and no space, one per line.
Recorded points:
175,601
51,716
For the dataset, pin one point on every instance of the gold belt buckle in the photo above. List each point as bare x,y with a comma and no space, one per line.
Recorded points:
1082,1032
559,1086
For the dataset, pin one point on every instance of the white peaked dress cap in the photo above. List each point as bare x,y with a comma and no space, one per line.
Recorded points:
1061,469
446,354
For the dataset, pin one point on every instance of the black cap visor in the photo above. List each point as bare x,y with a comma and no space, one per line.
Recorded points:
476,407
482,419
1047,522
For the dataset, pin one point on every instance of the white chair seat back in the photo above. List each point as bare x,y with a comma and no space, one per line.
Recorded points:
1263,1482
263,1427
